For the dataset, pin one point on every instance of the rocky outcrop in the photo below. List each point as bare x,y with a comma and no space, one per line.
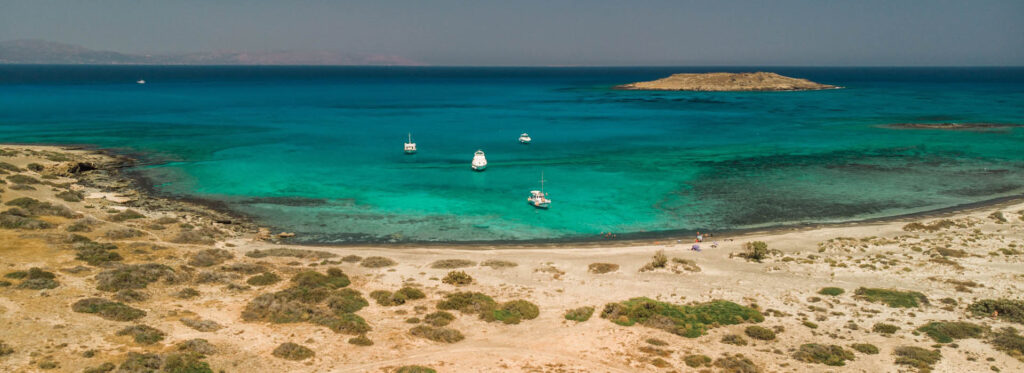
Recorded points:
725,82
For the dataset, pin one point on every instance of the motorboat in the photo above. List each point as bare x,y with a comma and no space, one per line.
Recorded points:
479,161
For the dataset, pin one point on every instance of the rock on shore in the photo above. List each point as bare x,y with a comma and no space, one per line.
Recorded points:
723,82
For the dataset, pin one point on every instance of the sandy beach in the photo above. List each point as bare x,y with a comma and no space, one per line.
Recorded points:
93,233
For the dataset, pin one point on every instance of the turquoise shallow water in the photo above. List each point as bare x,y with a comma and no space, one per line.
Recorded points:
319,150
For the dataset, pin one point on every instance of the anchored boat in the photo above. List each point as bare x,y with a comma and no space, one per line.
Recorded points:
525,138
410,147
538,198
479,161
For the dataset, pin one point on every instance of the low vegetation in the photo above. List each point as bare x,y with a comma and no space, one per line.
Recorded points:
96,254
1009,341
34,279
659,260
264,279
135,276
293,351
498,264
1006,309
511,312
361,340
405,294
37,208
210,257
933,226
830,291
313,297
292,253
602,268
125,215
831,355
947,331
736,363
755,251
885,328
452,263
437,334
439,318
892,298
377,262
201,325
685,320
143,334
106,309
579,314
414,369
865,348
457,278
917,357
734,339
697,361
758,332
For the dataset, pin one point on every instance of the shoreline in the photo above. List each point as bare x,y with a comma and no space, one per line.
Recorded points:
126,161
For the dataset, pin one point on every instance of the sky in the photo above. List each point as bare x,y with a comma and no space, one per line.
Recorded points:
547,32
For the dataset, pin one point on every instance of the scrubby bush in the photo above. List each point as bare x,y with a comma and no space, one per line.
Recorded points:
201,325
197,345
129,295
210,257
579,314
305,301
360,341
136,362
601,268
685,320
734,339
244,268
187,293
885,328
71,196
346,301
1006,309
1006,340
697,361
865,348
415,369
4,166
188,362
293,253
892,298
377,262
36,279
947,331
457,278
467,302
35,207
439,318
437,334
5,349
96,254
134,276
736,364
122,233
658,261
498,264
128,214
831,355
758,332
143,334
755,251
264,279
405,294
452,263
293,351
831,291
203,236
917,357
102,368
16,218
513,312
108,310
22,179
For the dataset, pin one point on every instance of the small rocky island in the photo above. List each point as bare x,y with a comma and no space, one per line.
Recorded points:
727,82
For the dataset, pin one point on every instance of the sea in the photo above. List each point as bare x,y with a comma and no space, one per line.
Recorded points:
318,150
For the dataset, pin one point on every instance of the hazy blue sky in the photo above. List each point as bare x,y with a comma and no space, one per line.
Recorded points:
551,32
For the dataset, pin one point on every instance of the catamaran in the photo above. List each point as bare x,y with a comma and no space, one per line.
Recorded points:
525,138
479,161
538,198
410,147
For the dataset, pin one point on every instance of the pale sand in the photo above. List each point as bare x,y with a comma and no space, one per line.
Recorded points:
37,324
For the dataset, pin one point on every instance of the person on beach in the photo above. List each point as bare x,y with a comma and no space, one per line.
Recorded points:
700,238
695,247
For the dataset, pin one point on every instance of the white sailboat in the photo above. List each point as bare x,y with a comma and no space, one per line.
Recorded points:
525,138
479,161
410,147
538,198
140,81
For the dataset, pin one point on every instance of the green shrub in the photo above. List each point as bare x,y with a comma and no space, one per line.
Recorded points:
457,278
334,279
36,279
810,324
264,279
917,357
865,348
685,320
831,291
601,268
187,293
513,312
22,179
107,309
467,302
293,253
293,351
143,334
579,314
831,355
71,196
102,368
5,283
1007,309
697,361
197,345
734,339
439,318
187,362
210,257
736,363
201,325
947,331
16,274
7,166
892,298
96,254
304,302
755,251
128,214
360,341
415,369
134,276
136,362
452,263
498,264
19,219
1006,340
885,328
405,294
437,334
660,260
758,332
346,323
35,207
129,295
377,262
346,301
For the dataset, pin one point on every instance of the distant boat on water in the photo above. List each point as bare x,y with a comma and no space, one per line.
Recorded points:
140,81
525,138
538,198
479,161
410,147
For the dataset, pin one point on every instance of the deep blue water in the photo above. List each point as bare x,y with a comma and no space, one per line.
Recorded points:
317,150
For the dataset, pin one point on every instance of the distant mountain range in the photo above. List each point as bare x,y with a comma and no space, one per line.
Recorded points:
31,51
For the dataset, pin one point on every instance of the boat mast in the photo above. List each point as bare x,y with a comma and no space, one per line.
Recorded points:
542,182
410,137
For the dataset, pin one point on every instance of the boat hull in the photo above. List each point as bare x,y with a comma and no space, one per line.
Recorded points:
479,168
410,152
539,205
